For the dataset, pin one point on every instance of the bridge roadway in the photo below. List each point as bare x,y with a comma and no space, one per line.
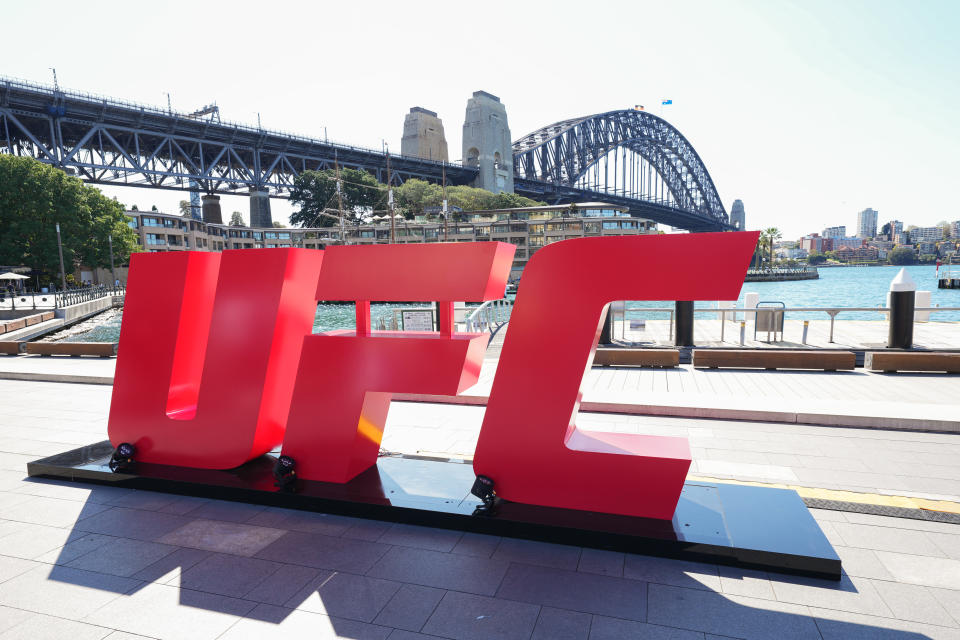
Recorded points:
108,141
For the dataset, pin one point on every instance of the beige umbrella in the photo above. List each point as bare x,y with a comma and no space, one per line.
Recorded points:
9,275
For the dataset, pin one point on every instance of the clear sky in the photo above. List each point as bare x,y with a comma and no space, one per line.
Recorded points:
807,111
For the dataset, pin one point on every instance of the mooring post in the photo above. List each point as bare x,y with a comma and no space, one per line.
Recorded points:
684,324
903,293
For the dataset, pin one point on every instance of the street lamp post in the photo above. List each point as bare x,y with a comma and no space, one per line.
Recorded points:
113,271
63,273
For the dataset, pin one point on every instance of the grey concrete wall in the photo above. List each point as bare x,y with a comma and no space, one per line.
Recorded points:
423,135
84,309
260,215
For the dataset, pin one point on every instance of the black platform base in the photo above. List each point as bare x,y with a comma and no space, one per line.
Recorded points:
753,527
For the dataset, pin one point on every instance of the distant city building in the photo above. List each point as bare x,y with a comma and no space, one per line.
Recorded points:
737,215
423,135
955,229
926,247
852,242
816,243
859,254
926,234
896,227
791,253
867,223
835,232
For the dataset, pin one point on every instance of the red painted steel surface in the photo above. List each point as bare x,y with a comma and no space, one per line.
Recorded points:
209,351
529,443
346,379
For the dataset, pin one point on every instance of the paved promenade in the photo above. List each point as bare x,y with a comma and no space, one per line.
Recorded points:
98,562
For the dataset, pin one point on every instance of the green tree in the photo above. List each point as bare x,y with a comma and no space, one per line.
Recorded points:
236,220
277,224
185,210
772,234
815,257
35,197
415,195
315,191
900,256
154,208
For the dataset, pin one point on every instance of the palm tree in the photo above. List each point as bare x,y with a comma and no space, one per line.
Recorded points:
772,234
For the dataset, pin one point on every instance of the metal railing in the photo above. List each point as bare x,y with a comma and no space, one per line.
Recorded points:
490,316
57,299
730,314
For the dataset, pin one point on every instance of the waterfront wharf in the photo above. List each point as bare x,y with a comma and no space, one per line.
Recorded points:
103,562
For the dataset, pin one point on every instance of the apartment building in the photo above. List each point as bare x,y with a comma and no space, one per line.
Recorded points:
529,228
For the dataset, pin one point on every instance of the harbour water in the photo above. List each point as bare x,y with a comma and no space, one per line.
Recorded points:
837,287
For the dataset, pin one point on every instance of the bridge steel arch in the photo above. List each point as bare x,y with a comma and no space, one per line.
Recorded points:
562,154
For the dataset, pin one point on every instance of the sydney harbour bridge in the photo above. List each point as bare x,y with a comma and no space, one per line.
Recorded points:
625,157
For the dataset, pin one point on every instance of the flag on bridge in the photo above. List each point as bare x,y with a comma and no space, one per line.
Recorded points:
667,101
638,107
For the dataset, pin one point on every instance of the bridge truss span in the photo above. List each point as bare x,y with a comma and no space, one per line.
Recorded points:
626,154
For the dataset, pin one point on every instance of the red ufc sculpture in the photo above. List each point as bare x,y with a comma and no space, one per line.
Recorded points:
209,350
346,378
530,445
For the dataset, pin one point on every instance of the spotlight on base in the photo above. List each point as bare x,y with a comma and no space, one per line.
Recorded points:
483,489
122,457
285,472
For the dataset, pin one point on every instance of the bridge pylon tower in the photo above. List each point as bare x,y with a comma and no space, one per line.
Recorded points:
487,144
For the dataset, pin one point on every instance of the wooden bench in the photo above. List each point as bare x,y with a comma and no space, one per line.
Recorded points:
911,361
32,320
10,348
775,359
636,358
13,325
46,316
102,349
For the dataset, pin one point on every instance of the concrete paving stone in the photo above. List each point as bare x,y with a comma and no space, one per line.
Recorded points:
346,595
844,625
167,612
408,535
227,575
169,568
410,607
849,594
560,624
887,539
324,552
833,537
222,537
63,592
949,600
13,567
745,582
52,512
680,573
931,572
14,461
938,486
9,499
828,515
470,617
729,615
123,635
477,544
913,602
902,523
601,562
401,634
369,530
746,470
280,586
145,500
603,595
544,554
31,541
182,505
81,544
122,557
442,570
133,523
850,479
268,621
304,521
41,627
10,617
949,543
51,488
8,527
604,628
863,563
228,511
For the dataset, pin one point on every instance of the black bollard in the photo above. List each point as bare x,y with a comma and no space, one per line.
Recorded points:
901,319
606,330
683,324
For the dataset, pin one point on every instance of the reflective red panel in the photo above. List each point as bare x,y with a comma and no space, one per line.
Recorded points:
346,379
208,353
530,445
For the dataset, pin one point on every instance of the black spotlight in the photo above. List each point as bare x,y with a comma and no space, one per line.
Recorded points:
483,489
122,457
285,472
